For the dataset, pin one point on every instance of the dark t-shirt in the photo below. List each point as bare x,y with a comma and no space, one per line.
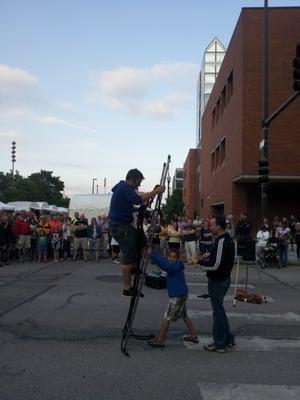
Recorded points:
189,237
206,235
81,233
122,203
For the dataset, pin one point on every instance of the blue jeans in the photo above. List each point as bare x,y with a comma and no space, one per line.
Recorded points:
221,331
283,254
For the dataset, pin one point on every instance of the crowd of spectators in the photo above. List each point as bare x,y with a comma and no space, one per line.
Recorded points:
25,236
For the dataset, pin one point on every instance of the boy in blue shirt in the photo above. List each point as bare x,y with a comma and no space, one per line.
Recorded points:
178,293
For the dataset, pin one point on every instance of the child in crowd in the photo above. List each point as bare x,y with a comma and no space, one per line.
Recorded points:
178,293
56,243
42,245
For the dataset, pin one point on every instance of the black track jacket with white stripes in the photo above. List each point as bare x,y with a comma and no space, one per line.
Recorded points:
221,259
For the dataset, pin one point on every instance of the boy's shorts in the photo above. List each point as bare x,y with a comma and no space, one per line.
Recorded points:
176,309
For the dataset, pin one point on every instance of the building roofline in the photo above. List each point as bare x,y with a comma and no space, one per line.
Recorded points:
270,8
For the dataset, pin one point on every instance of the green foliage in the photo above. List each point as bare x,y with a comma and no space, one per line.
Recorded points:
173,206
39,186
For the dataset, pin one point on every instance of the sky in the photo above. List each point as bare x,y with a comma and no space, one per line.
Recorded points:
92,88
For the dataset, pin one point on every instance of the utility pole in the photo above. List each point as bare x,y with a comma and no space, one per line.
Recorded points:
97,187
264,161
104,185
13,157
168,180
93,185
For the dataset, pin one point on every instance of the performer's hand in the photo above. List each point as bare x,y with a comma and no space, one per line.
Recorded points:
159,189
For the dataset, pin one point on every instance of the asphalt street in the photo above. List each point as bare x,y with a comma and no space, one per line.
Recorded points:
60,332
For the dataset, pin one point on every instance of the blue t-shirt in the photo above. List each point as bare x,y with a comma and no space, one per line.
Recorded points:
176,283
122,203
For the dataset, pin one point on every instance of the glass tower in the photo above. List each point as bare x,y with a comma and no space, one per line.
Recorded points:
210,67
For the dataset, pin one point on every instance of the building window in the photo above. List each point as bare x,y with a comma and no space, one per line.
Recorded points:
222,151
223,99
214,117
230,86
217,157
213,154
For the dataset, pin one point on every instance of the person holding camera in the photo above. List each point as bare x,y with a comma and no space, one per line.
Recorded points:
218,265
121,226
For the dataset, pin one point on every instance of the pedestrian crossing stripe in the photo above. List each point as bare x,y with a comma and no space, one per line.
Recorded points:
242,391
232,286
252,344
228,297
287,317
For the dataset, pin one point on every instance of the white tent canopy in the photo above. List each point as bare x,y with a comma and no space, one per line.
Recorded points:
34,205
24,205
6,207
91,205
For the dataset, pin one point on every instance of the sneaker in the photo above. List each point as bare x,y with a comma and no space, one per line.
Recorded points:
131,292
116,261
214,348
190,339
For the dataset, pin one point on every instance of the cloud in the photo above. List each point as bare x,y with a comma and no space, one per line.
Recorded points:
81,145
167,106
15,113
51,120
160,91
6,137
66,106
17,85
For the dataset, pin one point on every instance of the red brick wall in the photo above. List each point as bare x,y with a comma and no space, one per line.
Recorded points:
189,183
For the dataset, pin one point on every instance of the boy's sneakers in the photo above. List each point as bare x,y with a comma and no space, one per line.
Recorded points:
131,292
191,339
214,348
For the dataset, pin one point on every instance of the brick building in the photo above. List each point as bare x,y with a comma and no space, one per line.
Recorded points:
231,123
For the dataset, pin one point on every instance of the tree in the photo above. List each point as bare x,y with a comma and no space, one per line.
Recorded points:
173,206
39,186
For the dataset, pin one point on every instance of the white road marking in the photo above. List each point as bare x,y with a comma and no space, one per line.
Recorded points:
228,297
205,284
242,391
195,273
253,343
290,316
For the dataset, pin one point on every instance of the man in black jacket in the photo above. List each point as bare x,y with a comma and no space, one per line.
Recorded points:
218,264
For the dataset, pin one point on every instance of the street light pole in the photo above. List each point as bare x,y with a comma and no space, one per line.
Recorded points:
97,187
169,180
264,161
93,185
13,157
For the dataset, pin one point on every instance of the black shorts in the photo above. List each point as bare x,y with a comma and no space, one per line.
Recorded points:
126,236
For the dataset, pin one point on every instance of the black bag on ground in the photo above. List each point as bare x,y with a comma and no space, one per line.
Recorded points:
155,280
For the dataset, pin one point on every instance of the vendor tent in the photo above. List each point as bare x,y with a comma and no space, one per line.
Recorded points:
6,207
91,205
24,205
